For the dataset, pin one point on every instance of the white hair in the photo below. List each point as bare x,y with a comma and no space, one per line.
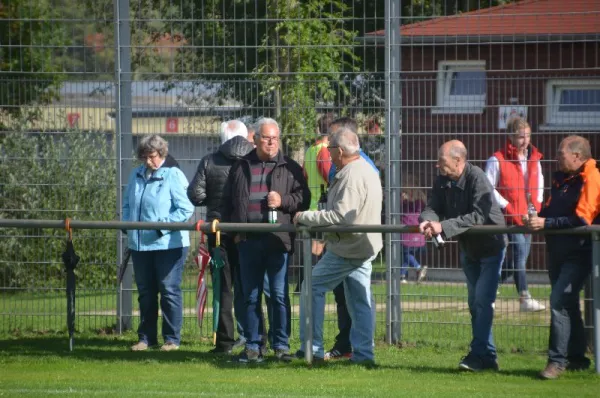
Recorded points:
346,139
233,128
264,121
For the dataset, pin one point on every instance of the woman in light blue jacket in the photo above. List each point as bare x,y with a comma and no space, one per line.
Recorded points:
157,193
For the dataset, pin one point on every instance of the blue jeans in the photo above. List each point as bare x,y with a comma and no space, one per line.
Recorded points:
409,258
516,260
256,258
567,333
159,271
482,284
288,306
342,340
329,272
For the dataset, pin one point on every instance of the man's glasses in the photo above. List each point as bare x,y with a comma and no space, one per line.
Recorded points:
268,139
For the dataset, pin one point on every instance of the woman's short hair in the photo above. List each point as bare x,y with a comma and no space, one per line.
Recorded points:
345,139
152,143
516,124
233,128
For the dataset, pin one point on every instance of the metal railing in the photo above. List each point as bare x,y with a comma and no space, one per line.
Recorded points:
306,232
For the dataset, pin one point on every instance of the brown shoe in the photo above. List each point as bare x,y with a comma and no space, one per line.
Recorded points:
139,346
552,371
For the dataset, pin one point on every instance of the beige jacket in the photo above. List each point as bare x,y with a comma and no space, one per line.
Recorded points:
354,198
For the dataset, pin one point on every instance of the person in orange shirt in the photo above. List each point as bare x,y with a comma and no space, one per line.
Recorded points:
574,202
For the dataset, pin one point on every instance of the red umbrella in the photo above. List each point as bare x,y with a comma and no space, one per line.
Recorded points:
202,259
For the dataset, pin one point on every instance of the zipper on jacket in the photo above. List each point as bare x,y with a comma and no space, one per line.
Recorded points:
140,209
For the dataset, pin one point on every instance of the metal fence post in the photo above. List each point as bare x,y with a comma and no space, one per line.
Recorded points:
596,292
124,147
306,298
393,118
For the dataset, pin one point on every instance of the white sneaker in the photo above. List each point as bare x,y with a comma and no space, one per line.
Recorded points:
403,280
531,305
421,273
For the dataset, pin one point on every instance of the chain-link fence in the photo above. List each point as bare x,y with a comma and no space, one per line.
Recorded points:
82,82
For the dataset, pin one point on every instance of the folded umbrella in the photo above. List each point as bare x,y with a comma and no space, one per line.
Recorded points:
202,260
70,259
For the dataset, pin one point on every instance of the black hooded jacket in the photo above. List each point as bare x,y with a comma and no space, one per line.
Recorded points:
206,189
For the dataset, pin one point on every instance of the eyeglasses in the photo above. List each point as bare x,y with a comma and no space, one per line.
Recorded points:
151,156
332,146
268,139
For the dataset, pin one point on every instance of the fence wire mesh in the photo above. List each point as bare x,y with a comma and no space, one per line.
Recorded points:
81,83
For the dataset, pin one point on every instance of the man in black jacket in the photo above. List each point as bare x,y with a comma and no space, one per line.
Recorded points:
206,189
262,186
462,197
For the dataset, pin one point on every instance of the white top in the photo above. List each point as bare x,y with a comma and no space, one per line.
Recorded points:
492,170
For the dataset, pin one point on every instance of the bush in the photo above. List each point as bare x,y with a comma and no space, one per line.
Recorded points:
53,176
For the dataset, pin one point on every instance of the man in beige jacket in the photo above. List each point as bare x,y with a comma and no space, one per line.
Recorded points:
354,197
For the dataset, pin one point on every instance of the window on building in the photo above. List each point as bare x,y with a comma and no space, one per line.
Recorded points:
573,103
461,87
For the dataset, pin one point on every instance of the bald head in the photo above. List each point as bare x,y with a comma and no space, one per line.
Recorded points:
452,157
455,149
573,152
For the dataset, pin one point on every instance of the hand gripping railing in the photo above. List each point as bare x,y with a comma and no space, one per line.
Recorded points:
306,232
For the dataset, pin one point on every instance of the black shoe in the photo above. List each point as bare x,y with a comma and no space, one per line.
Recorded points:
474,363
283,355
220,351
582,363
300,354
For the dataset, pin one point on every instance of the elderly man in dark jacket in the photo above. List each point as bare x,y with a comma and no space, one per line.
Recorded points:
206,189
462,198
262,186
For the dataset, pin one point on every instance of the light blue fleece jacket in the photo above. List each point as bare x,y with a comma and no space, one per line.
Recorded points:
160,198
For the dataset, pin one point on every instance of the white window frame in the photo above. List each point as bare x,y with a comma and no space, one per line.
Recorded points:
458,104
573,120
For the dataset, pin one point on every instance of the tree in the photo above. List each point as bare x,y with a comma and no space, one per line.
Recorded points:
54,176
30,39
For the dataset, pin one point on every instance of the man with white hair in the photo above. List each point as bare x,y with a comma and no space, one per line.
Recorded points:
206,189
265,186
355,197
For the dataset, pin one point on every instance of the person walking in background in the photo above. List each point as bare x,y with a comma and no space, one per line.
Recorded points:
157,194
462,197
354,198
413,245
574,202
316,166
516,174
206,189
265,186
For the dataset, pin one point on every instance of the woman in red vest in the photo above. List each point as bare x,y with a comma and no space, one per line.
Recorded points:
515,172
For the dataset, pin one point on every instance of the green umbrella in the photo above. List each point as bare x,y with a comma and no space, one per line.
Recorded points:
217,263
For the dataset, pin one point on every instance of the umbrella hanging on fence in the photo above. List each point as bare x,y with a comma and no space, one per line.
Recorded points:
70,259
124,264
217,263
202,259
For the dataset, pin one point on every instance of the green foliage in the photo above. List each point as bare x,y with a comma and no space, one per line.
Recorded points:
28,54
55,176
306,53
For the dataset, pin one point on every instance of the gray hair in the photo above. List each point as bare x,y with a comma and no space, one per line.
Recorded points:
233,128
152,143
578,144
264,121
345,139
458,151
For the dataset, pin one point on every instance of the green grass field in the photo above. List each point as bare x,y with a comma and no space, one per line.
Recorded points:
35,361
41,365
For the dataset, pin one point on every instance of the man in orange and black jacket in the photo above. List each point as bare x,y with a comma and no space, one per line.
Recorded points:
574,201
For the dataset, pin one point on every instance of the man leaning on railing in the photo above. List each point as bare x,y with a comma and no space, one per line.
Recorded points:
574,202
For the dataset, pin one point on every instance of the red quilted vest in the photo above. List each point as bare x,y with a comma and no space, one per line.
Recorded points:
511,181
